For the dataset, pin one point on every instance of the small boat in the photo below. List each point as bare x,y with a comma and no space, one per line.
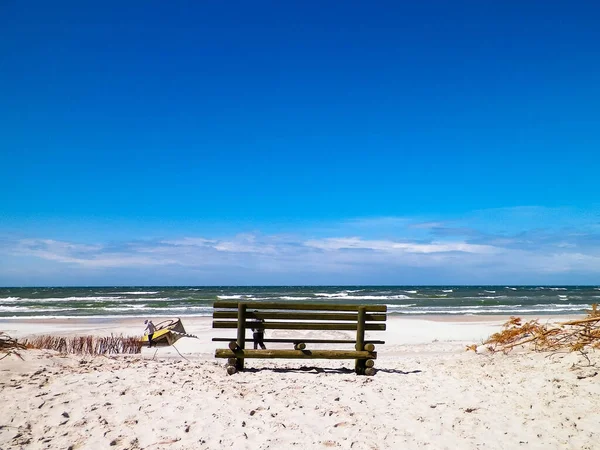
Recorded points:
167,333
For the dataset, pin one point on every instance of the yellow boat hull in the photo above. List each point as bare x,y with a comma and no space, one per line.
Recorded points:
165,336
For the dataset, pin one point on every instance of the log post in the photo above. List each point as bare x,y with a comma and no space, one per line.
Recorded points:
231,370
369,347
299,346
369,363
359,366
241,333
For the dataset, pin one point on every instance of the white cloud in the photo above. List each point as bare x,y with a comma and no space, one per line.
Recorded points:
392,246
394,255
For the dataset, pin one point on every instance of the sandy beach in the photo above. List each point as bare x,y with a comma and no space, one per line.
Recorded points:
428,393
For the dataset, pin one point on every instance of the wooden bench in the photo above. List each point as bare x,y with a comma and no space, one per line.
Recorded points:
299,316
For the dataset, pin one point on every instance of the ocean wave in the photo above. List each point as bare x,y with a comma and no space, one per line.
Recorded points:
234,297
70,299
365,297
10,299
101,317
137,293
490,292
14,308
31,309
486,311
411,292
477,311
88,299
447,290
287,297
167,308
394,306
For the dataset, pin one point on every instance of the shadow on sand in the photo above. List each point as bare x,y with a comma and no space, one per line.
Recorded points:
305,369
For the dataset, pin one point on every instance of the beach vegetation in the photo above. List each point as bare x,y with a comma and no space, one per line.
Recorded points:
579,335
87,345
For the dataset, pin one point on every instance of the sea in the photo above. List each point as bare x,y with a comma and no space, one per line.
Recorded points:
185,301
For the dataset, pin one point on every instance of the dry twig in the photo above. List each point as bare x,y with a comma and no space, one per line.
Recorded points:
574,335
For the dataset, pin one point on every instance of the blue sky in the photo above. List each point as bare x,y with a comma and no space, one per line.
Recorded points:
307,143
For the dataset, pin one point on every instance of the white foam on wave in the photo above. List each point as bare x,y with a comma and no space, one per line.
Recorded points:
366,297
14,308
495,309
401,306
485,311
72,299
10,299
563,297
232,297
85,299
100,317
29,309
511,288
336,295
287,297
557,289
159,310
447,290
411,292
490,292
136,293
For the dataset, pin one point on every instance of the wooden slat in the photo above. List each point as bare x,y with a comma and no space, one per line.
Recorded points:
301,325
268,315
295,354
306,341
300,306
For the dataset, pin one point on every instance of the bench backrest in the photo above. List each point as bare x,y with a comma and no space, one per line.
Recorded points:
299,316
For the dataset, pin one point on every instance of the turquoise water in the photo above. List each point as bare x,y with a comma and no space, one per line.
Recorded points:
197,301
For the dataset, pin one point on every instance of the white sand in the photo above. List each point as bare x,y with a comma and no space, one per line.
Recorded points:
428,393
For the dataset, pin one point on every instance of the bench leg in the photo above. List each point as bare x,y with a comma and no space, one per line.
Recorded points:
360,366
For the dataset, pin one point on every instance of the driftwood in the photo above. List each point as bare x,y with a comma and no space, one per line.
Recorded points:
574,335
9,346
8,343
